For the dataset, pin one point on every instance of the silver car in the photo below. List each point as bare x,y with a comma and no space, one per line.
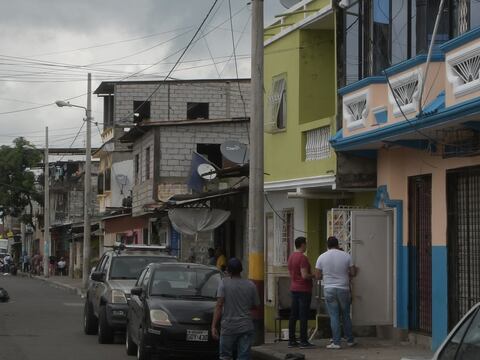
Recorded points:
463,342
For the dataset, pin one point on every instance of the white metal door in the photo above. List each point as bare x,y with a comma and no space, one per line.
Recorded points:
372,253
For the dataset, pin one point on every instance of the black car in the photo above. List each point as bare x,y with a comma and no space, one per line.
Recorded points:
171,311
108,293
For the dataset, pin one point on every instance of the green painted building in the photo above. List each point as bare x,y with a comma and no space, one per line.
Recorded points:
304,177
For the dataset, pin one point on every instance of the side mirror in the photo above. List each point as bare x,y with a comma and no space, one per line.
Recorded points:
98,276
136,291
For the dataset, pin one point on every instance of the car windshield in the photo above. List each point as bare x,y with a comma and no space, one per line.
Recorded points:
130,267
185,282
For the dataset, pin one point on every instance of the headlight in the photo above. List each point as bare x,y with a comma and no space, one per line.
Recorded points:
159,317
118,297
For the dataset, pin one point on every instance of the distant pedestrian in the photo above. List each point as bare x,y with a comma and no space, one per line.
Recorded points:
336,269
62,266
36,260
52,261
212,260
236,297
221,262
301,291
26,263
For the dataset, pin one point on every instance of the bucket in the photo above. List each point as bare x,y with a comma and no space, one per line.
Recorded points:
285,334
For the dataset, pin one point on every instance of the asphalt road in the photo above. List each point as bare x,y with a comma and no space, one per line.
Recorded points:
42,322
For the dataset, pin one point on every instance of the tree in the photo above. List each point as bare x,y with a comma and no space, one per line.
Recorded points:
18,188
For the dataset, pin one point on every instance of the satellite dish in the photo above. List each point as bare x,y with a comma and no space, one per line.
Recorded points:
207,171
235,152
289,3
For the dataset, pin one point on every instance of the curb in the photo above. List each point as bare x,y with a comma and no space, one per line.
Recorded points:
69,288
263,354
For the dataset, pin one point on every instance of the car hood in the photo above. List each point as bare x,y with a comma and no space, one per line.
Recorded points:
183,311
124,285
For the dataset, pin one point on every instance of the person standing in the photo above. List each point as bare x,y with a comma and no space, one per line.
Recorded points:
301,292
336,269
26,262
236,297
61,265
221,259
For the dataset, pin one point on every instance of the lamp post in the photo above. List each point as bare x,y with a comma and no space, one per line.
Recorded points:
88,180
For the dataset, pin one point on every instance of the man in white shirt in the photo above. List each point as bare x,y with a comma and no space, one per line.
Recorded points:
335,268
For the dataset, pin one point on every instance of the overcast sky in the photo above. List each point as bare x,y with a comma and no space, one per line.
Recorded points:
48,47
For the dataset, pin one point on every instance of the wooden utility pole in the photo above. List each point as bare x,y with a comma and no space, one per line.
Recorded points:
46,210
256,269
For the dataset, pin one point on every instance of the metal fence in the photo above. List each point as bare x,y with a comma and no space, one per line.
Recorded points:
463,202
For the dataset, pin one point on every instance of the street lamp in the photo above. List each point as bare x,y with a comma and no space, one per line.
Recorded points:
88,180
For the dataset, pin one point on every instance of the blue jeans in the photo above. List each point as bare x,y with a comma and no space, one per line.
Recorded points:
299,311
239,343
338,302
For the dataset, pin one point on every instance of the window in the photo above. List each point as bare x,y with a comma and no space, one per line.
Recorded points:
197,110
317,144
283,237
137,168
108,105
355,110
278,103
211,152
100,187
147,163
141,111
463,70
108,179
405,91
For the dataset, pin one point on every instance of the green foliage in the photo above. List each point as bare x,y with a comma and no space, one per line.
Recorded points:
17,181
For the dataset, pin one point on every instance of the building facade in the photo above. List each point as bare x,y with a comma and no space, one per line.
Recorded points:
422,128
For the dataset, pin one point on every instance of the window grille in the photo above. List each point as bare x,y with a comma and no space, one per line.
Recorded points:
317,145
404,93
283,237
469,69
356,109
463,16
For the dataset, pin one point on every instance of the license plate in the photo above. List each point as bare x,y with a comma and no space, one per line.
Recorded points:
197,335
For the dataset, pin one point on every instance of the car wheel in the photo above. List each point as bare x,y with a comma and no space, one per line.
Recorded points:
105,332
90,321
142,352
130,347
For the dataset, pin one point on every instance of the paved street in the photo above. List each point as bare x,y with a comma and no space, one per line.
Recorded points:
43,322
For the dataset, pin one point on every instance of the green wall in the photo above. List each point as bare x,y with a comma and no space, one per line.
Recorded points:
307,58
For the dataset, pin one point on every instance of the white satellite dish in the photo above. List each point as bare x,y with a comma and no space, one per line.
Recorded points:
207,171
289,3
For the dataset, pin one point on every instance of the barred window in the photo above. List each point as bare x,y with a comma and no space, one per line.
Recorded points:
317,144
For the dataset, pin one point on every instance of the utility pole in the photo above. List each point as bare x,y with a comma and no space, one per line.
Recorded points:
256,268
88,188
46,210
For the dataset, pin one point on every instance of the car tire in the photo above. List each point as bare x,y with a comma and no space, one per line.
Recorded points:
142,352
105,332
90,321
130,346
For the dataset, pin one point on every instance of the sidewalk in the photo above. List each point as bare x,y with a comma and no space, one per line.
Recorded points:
72,285
366,349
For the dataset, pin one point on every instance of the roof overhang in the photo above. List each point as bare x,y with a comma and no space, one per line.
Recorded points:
323,181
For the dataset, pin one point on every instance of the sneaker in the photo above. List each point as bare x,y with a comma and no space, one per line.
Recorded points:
333,346
350,344
293,344
306,345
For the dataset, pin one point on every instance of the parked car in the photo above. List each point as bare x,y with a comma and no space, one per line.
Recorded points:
463,342
108,293
171,311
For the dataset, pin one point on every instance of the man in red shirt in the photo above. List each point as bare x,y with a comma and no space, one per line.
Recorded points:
301,290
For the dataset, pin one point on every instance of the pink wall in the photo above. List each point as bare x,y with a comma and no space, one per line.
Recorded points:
396,165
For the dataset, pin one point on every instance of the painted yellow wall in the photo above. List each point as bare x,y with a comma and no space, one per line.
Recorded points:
307,57
396,165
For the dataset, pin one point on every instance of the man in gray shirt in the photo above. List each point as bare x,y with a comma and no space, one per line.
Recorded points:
236,297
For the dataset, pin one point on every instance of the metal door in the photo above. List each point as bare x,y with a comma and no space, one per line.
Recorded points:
420,253
463,206
372,253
